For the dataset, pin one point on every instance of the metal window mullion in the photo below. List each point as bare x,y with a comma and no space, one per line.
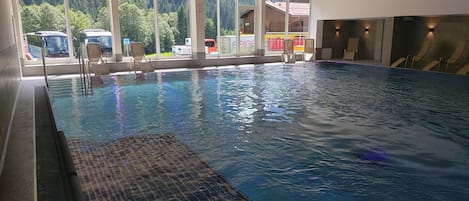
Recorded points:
218,28
157,30
237,27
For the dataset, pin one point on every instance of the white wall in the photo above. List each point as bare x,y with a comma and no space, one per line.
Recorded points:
352,9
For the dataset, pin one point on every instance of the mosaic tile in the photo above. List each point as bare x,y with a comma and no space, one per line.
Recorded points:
147,167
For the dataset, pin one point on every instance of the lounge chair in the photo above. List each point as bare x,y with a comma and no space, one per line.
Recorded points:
140,63
418,57
309,52
456,54
96,63
288,55
464,70
454,57
422,52
432,64
400,61
352,49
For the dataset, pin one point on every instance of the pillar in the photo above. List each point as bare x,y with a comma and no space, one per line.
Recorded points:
259,29
115,29
197,29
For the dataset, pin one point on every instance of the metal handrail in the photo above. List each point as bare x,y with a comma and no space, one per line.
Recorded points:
84,74
43,52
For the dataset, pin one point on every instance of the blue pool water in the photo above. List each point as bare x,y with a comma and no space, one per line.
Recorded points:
316,132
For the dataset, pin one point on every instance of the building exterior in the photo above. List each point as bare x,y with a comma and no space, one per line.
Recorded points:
275,17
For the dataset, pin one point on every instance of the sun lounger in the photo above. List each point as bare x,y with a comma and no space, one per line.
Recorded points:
288,55
456,54
309,52
352,49
140,63
431,65
96,63
422,52
463,70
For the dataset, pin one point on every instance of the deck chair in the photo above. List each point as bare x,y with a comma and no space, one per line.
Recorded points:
454,57
140,63
288,55
400,61
96,63
309,52
352,49
456,54
432,64
464,70
422,52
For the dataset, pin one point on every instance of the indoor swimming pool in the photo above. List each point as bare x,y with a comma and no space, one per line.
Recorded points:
319,131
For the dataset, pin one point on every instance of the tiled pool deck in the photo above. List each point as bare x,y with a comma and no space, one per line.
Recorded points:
147,167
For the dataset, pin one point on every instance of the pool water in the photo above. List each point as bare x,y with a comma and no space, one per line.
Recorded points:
320,131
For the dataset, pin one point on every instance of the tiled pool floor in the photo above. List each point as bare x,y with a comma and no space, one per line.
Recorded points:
147,167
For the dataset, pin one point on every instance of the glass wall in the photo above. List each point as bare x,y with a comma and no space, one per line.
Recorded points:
137,25
212,12
298,23
293,26
162,25
173,26
44,26
226,28
89,22
246,15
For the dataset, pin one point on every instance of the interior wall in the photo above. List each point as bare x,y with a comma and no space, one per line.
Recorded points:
9,73
338,40
410,32
340,9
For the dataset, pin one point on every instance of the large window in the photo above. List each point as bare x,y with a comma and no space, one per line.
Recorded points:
173,26
44,29
286,19
226,27
246,20
89,22
231,24
137,24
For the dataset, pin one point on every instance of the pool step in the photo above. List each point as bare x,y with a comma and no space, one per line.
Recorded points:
66,87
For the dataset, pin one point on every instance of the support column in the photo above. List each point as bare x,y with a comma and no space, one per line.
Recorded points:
379,40
115,29
259,23
69,29
197,29
313,21
287,18
387,41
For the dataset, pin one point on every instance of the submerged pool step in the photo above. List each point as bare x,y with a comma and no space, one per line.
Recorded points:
66,87
147,167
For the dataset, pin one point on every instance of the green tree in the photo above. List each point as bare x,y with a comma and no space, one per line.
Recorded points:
133,23
30,16
78,22
102,21
52,18
166,32
210,29
181,25
44,17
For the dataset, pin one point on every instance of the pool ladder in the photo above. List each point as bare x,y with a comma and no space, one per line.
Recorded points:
85,74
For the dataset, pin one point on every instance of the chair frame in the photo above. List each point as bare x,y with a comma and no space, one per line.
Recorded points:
138,54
